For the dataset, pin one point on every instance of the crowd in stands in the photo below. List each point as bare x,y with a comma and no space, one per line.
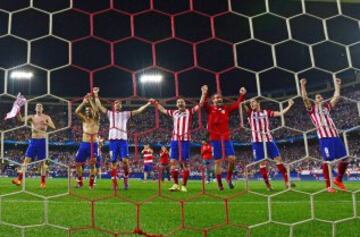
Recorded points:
143,129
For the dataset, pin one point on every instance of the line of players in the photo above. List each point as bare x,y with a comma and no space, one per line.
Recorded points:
89,111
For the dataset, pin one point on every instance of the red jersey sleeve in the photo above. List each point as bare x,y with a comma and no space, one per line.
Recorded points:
270,113
206,104
234,106
170,112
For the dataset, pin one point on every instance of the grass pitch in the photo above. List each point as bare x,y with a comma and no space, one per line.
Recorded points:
142,208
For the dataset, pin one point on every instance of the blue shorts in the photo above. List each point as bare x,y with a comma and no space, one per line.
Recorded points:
218,148
332,148
258,150
98,161
36,149
84,151
118,149
174,150
207,162
148,168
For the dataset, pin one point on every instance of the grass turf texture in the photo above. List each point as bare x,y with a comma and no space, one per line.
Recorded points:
162,214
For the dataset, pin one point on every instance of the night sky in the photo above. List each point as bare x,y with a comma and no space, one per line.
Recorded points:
191,42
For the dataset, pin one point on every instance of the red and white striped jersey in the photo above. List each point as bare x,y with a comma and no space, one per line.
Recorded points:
259,124
148,157
182,123
118,123
320,117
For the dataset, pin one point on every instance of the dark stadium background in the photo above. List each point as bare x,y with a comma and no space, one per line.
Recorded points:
113,42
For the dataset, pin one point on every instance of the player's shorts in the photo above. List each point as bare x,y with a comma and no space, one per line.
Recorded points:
99,159
84,151
119,149
36,149
148,168
258,150
219,146
207,162
332,148
174,150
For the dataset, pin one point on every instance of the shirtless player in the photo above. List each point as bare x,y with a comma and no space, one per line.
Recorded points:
90,119
37,146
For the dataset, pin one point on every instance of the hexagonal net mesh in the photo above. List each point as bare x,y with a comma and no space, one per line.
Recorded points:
267,46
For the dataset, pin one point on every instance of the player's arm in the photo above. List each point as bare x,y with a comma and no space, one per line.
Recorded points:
95,109
336,96
284,111
235,105
203,99
78,110
142,108
160,107
50,123
22,119
92,104
204,96
304,94
246,107
97,100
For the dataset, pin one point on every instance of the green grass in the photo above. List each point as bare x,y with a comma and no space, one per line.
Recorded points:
204,215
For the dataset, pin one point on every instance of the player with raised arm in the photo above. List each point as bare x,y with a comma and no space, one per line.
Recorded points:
260,133
218,127
37,146
88,149
119,148
180,141
331,146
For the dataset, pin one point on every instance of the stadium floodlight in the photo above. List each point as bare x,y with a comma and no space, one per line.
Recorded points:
151,78
21,75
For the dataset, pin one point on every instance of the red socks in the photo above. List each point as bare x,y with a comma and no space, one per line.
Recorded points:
185,174
230,172
218,178
342,166
43,178
91,180
326,174
175,175
264,173
20,176
229,175
126,175
283,172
